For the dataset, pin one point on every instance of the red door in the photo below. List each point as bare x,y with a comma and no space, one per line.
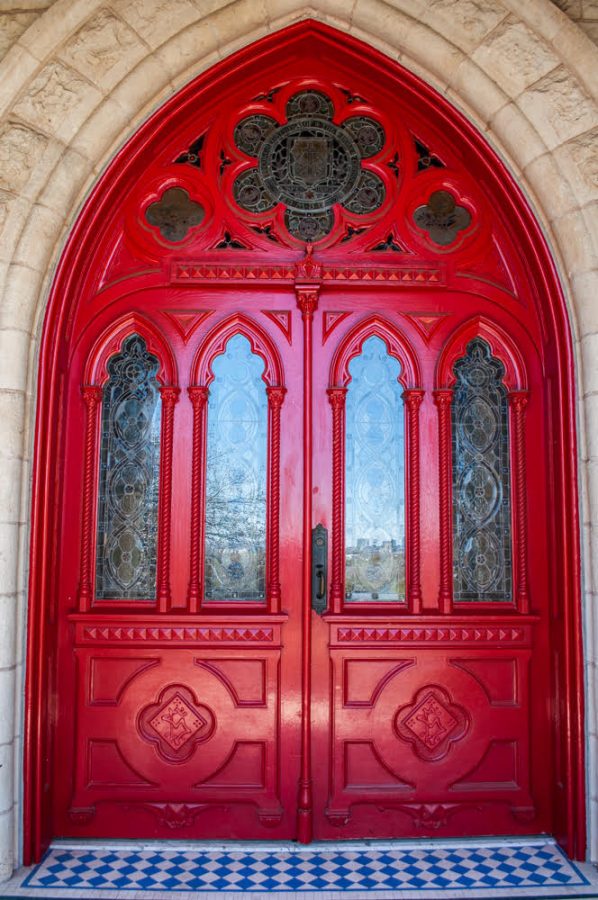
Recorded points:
185,691
300,552
188,704
425,657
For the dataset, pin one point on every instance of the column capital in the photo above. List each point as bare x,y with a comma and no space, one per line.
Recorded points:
276,395
198,395
443,397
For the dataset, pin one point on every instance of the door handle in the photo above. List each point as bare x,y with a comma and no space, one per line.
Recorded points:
321,576
319,569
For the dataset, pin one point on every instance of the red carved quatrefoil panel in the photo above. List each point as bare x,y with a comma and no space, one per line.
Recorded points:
176,723
432,723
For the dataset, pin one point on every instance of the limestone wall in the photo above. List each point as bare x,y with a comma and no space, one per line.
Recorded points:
584,13
79,77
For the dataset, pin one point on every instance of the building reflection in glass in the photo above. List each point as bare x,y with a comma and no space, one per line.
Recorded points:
235,524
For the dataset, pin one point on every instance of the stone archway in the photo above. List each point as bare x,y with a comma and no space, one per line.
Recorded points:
69,102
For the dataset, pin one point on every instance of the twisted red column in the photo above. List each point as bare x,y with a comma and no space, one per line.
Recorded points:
275,401
337,397
413,399
518,403
199,398
92,397
443,400
169,397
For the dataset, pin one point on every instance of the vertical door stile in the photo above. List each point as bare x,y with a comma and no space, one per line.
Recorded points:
275,400
337,397
518,403
307,301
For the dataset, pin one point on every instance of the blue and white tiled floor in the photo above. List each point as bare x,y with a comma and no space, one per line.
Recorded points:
375,871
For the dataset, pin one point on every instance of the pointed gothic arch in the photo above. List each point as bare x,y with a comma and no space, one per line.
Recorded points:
105,212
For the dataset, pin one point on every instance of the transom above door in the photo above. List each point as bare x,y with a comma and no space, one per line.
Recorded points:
305,443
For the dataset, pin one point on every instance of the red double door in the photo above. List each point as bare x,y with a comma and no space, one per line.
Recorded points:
346,691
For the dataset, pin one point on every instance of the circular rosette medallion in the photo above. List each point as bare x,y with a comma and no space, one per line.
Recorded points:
309,165
176,723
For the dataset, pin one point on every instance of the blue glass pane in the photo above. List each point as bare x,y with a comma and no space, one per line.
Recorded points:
236,476
374,478
481,480
129,476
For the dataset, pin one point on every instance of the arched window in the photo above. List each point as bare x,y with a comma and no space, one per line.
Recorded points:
235,517
374,477
127,525
482,554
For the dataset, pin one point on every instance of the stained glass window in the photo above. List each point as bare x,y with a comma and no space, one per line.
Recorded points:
129,476
481,479
309,164
235,538
374,478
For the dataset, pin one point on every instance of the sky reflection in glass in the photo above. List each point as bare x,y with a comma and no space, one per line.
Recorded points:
236,476
374,479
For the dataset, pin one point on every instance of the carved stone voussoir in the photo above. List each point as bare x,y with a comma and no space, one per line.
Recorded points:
558,102
582,151
515,56
103,44
464,22
12,26
56,99
20,149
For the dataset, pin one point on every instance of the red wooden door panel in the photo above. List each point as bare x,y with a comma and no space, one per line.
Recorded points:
175,732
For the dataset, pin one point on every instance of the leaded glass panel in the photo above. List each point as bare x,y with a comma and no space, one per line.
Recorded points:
374,478
235,540
129,476
481,479
309,164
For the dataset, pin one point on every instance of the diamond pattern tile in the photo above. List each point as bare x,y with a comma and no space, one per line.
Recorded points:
511,867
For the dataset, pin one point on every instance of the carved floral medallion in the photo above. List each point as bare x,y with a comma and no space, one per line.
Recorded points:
431,723
176,723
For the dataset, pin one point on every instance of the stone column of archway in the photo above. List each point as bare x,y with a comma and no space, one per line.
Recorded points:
83,76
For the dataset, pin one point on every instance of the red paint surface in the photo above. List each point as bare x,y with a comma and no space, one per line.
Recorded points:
301,722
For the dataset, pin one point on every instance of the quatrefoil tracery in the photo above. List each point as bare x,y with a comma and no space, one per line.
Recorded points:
309,164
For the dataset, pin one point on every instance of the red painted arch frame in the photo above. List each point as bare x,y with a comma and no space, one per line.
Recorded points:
111,341
215,344
73,276
501,345
396,344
